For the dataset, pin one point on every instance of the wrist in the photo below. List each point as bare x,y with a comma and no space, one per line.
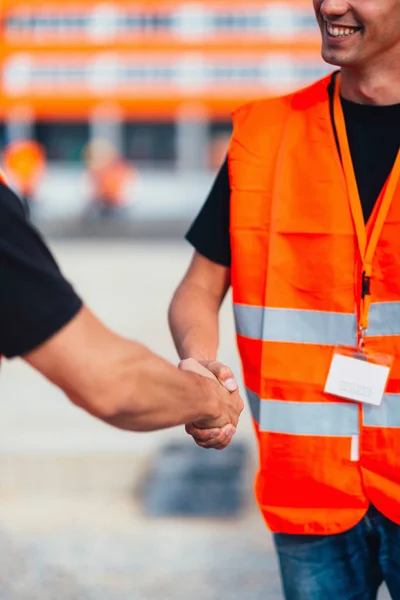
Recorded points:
196,352
199,356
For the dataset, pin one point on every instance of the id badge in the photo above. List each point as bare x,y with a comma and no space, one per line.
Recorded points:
359,375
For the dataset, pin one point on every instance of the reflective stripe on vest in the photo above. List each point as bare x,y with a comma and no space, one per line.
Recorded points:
313,327
385,415
296,326
254,402
311,418
305,418
384,319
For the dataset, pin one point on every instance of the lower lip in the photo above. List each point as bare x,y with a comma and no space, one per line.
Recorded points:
339,39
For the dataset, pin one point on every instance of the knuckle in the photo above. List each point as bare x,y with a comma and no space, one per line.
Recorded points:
203,435
219,440
224,372
204,445
214,366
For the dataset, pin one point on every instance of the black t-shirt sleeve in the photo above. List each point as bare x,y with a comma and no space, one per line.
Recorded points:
209,234
35,299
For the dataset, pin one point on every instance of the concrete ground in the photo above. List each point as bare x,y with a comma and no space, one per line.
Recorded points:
72,526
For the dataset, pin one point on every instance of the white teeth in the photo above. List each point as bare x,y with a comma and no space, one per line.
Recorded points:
336,32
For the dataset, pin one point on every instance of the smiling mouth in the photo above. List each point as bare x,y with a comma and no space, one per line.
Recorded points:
335,31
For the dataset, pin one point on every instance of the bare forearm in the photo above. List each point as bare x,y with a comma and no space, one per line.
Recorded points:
139,391
158,395
193,320
122,382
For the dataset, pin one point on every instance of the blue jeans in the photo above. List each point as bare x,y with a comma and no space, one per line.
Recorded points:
347,566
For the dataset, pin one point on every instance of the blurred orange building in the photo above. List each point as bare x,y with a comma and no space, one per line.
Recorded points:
154,62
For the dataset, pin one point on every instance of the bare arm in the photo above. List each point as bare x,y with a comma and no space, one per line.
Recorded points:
193,312
125,384
193,319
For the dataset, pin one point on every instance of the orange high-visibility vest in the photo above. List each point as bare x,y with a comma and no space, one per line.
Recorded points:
296,279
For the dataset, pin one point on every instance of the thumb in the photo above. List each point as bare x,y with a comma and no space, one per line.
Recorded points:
223,373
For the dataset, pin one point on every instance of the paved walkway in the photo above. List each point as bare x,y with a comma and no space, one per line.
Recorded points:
103,550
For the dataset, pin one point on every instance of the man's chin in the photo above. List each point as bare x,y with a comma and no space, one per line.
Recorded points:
333,58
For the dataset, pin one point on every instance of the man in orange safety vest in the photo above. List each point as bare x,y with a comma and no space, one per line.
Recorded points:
303,224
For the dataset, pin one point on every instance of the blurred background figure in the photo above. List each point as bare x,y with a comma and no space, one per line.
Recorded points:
24,163
111,180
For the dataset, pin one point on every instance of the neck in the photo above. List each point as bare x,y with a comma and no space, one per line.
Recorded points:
380,88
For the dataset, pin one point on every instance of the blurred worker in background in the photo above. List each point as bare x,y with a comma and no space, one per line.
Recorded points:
117,380
25,162
111,179
303,223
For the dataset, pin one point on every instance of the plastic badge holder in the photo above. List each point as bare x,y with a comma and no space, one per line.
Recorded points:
359,374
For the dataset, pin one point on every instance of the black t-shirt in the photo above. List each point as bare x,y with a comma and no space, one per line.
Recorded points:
35,300
374,137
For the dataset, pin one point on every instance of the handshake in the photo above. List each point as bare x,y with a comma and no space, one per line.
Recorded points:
217,433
